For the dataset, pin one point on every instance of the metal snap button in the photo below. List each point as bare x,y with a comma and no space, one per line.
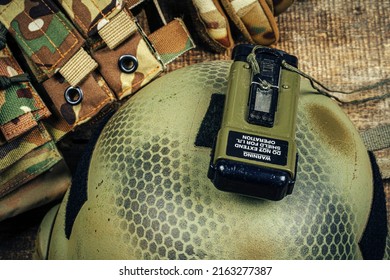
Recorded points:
128,63
73,95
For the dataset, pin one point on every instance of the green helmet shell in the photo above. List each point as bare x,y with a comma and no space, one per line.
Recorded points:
148,195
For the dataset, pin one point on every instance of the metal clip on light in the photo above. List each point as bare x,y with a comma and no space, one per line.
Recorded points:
251,59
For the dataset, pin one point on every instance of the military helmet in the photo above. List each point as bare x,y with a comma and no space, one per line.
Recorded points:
144,192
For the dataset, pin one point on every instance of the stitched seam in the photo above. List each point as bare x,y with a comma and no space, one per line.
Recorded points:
33,175
34,54
17,69
108,91
97,108
39,132
96,23
75,16
70,32
37,98
101,12
91,113
29,124
16,66
139,82
175,56
6,8
48,38
80,22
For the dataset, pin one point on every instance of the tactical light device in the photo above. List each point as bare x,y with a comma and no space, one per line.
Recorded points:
255,151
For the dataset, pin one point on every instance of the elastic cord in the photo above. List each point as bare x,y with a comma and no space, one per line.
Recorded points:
329,92
321,89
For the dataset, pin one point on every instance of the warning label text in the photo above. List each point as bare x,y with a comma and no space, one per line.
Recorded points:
257,148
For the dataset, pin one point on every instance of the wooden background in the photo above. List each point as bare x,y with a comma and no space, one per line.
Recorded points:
344,44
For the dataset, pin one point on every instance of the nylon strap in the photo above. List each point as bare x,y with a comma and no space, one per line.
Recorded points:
15,150
78,67
91,15
377,138
171,40
23,123
12,130
118,29
20,105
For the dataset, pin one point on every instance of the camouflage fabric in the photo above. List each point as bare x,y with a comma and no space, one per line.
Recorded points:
254,18
42,32
27,151
124,84
149,67
90,15
26,178
20,106
96,96
213,23
49,186
22,153
29,167
51,45
57,127
128,38
279,6
174,31
15,150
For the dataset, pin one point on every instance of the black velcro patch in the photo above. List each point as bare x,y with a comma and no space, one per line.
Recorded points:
211,122
78,190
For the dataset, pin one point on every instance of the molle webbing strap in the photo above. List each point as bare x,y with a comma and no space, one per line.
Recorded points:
38,161
171,40
377,138
118,29
255,20
78,67
114,23
13,151
43,33
91,15
17,127
20,106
